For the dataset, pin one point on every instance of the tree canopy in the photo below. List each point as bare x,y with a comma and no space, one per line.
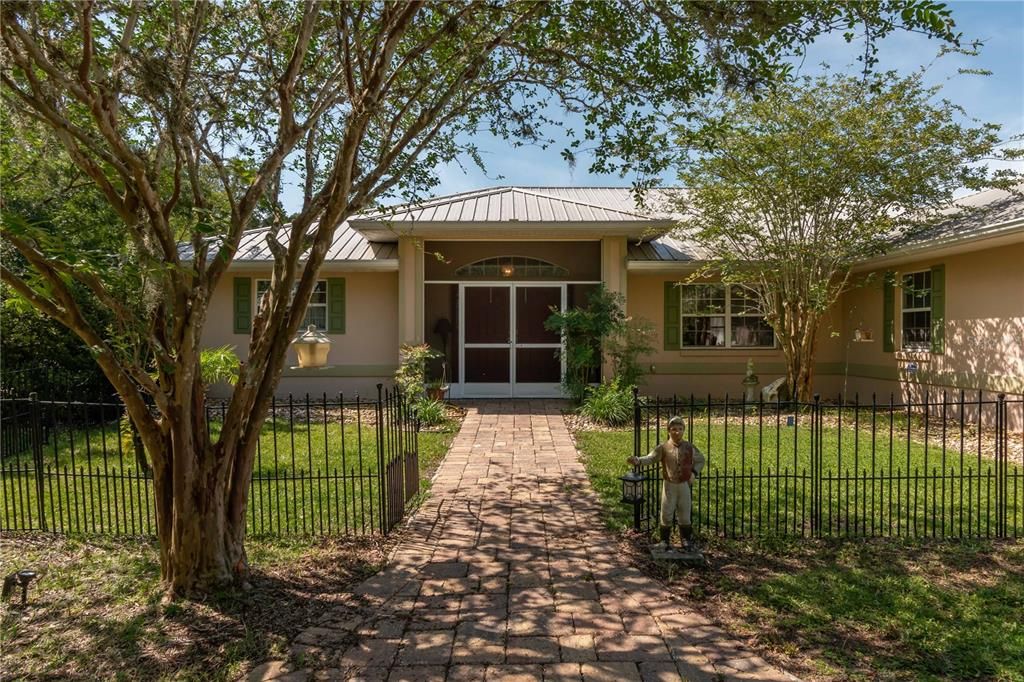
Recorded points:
791,190
189,118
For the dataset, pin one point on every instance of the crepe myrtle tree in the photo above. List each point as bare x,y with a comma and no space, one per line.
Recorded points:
189,118
786,193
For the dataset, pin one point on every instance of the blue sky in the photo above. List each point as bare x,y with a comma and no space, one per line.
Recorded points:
998,98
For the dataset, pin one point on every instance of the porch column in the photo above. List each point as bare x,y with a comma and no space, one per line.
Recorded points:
410,290
613,274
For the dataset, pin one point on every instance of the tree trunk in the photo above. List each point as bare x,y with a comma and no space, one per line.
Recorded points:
799,349
201,534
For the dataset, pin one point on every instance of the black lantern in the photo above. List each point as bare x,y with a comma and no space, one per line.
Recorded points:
633,493
633,487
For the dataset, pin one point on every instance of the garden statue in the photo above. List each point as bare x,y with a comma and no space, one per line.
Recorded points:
750,382
681,463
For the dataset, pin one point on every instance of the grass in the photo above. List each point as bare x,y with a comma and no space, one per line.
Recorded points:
308,478
872,486
96,610
866,609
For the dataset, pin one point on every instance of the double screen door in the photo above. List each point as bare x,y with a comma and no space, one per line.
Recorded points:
506,351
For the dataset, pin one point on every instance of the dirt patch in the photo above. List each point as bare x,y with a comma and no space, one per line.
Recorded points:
96,611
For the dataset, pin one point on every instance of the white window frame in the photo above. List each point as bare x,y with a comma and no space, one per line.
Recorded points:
309,308
918,345
728,322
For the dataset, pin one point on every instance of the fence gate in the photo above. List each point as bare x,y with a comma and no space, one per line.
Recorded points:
398,456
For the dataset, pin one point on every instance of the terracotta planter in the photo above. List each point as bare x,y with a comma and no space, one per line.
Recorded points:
436,392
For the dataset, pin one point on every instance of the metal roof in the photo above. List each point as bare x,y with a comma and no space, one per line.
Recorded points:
349,246
972,217
522,204
979,215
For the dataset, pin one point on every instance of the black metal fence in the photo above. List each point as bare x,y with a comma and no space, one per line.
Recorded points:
323,466
942,467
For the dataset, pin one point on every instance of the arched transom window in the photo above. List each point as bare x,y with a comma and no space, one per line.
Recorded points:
511,266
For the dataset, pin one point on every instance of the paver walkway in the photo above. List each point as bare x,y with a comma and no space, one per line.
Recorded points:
506,573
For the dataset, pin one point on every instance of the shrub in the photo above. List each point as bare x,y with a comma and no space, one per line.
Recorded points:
219,364
431,412
626,345
411,376
585,330
610,404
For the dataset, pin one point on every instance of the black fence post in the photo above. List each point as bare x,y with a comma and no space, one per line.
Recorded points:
816,466
36,436
1002,467
381,465
636,449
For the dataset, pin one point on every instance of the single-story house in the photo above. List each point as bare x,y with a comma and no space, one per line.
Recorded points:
474,275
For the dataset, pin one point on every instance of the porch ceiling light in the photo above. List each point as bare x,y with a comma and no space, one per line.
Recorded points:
312,347
507,270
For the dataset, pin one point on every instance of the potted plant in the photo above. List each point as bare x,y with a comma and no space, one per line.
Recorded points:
438,388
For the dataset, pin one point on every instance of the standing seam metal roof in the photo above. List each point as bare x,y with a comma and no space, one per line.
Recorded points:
522,204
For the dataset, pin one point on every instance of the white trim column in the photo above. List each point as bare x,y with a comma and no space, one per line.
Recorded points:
410,290
613,274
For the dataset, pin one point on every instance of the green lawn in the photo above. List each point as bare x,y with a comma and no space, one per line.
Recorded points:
308,478
758,481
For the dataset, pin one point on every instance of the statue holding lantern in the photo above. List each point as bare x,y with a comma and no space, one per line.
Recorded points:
681,462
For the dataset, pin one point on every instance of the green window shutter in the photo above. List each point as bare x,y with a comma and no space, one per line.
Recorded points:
243,305
336,305
939,309
671,316
889,313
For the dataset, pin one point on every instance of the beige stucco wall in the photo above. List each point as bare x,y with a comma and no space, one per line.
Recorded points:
984,329
367,353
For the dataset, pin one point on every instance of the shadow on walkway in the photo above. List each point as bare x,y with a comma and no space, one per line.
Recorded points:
506,573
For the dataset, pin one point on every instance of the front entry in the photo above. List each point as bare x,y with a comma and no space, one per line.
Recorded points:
506,351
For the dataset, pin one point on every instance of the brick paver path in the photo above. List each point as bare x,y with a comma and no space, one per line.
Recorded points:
507,574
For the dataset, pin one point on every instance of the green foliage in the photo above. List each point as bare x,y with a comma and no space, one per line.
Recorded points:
610,403
600,328
411,376
584,331
788,191
39,354
431,412
219,364
630,341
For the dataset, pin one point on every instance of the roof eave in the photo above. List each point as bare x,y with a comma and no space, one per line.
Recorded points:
376,231
1000,234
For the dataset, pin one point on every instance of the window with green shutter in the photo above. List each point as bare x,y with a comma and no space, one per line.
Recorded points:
672,314
326,308
243,305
